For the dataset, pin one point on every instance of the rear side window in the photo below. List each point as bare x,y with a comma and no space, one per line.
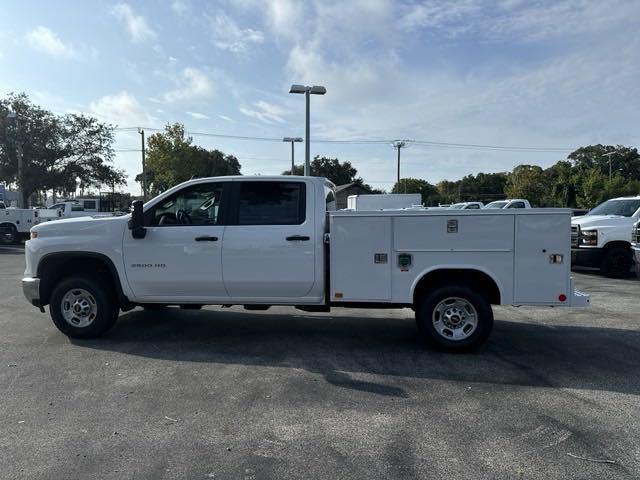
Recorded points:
271,203
517,205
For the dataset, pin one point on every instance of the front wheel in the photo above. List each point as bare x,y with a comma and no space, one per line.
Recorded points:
454,318
617,262
9,236
83,307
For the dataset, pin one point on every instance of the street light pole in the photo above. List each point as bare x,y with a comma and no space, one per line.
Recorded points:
315,90
610,154
292,140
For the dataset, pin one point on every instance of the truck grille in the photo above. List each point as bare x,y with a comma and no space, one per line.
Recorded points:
575,235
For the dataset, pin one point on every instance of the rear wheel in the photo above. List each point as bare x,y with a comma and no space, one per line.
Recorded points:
454,318
617,262
83,307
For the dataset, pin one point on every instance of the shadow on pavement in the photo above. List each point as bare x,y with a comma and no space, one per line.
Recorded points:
517,353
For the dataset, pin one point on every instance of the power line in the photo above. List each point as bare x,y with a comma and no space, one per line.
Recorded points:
424,143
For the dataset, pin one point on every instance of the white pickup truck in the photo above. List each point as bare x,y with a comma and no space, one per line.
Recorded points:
15,223
262,241
602,237
510,203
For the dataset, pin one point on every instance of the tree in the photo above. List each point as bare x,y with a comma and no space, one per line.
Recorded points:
527,181
172,158
624,160
340,173
60,152
428,192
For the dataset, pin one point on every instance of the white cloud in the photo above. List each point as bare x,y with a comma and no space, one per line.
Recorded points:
192,84
137,27
226,119
265,112
180,7
121,109
227,35
198,115
46,41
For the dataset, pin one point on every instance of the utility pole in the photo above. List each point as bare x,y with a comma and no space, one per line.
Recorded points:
398,145
144,167
16,117
307,91
610,154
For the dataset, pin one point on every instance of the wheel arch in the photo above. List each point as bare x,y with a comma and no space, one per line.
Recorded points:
470,275
53,267
617,243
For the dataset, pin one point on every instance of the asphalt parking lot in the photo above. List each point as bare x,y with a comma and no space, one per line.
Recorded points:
231,394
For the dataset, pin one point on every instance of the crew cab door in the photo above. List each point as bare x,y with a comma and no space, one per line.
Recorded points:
180,257
269,244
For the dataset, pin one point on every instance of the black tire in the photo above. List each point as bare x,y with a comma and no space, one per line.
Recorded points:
9,235
426,318
191,306
617,262
104,299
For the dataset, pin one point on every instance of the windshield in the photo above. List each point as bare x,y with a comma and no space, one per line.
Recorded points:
457,206
500,204
621,208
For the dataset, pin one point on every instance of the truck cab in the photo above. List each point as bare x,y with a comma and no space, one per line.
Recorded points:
509,203
467,206
263,241
602,238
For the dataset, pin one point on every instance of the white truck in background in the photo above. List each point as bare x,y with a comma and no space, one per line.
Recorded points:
466,206
602,238
263,241
383,201
635,244
510,203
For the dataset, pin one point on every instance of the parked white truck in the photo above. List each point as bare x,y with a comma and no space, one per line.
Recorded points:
262,241
510,203
602,237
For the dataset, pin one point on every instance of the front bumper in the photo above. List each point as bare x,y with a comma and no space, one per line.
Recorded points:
586,257
31,290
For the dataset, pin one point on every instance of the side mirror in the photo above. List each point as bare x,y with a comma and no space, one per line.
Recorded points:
136,222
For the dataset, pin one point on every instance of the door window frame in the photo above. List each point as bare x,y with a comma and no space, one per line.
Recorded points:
234,208
223,210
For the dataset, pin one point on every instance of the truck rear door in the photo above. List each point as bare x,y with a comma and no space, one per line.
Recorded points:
269,244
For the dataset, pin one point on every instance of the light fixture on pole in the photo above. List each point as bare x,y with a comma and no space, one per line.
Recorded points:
292,140
14,116
315,90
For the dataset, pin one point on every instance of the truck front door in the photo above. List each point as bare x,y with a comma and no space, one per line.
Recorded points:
181,254
269,244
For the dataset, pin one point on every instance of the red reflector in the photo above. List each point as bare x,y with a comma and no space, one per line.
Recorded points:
562,297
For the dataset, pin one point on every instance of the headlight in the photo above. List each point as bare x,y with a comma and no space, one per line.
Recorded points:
589,237
34,235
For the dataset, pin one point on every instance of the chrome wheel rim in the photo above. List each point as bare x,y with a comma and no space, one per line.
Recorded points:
455,318
79,308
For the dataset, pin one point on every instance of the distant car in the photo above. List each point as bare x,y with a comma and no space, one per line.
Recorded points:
466,206
509,203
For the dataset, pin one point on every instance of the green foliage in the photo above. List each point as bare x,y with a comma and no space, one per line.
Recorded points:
340,173
172,159
415,185
60,152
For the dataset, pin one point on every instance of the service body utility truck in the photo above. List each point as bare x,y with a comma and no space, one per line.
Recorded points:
262,241
602,237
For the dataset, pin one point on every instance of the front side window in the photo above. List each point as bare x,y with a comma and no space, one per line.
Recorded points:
498,204
195,205
472,206
517,205
271,203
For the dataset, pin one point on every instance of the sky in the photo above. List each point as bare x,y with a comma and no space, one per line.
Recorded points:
550,75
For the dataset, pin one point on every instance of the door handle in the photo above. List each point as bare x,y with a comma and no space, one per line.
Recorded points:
206,238
302,238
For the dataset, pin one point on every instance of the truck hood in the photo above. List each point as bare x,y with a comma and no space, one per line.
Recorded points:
79,225
596,221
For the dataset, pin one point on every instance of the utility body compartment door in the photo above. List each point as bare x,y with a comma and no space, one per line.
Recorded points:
539,279
361,258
